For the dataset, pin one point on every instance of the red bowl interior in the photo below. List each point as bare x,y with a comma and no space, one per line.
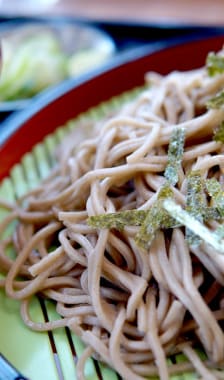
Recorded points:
100,88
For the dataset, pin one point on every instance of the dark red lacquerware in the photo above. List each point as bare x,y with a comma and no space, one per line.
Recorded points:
71,98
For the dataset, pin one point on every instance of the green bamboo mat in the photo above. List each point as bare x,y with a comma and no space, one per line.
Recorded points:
42,355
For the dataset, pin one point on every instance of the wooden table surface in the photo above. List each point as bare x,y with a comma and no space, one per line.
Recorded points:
197,12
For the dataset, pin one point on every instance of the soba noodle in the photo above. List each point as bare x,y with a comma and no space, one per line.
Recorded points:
133,305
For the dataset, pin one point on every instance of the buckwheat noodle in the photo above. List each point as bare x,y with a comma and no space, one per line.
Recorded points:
132,307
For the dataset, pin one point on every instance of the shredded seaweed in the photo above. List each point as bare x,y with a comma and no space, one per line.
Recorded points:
211,213
150,225
216,192
156,218
189,221
118,220
214,64
161,217
213,187
165,192
148,220
175,154
219,133
216,101
195,203
195,193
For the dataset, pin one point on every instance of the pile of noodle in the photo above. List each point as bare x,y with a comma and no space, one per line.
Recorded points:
132,307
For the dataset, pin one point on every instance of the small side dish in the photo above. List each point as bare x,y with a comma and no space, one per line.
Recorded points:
38,55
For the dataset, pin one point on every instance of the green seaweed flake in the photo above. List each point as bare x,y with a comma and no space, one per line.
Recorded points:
195,203
211,213
216,192
165,192
175,154
156,218
214,64
149,220
219,133
118,220
150,225
159,217
216,101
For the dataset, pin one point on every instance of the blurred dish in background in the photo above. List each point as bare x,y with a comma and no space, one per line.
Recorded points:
38,55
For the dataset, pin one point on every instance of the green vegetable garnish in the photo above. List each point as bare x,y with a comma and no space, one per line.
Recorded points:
149,220
214,64
156,218
215,190
150,225
175,154
162,216
217,101
219,133
183,217
195,203
211,213
118,220
165,192
195,193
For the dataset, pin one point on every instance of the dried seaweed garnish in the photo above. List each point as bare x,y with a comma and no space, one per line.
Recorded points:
195,203
219,133
156,218
175,154
211,213
214,64
216,192
165,192
189,221
160,217
150,225
118,220
216,101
